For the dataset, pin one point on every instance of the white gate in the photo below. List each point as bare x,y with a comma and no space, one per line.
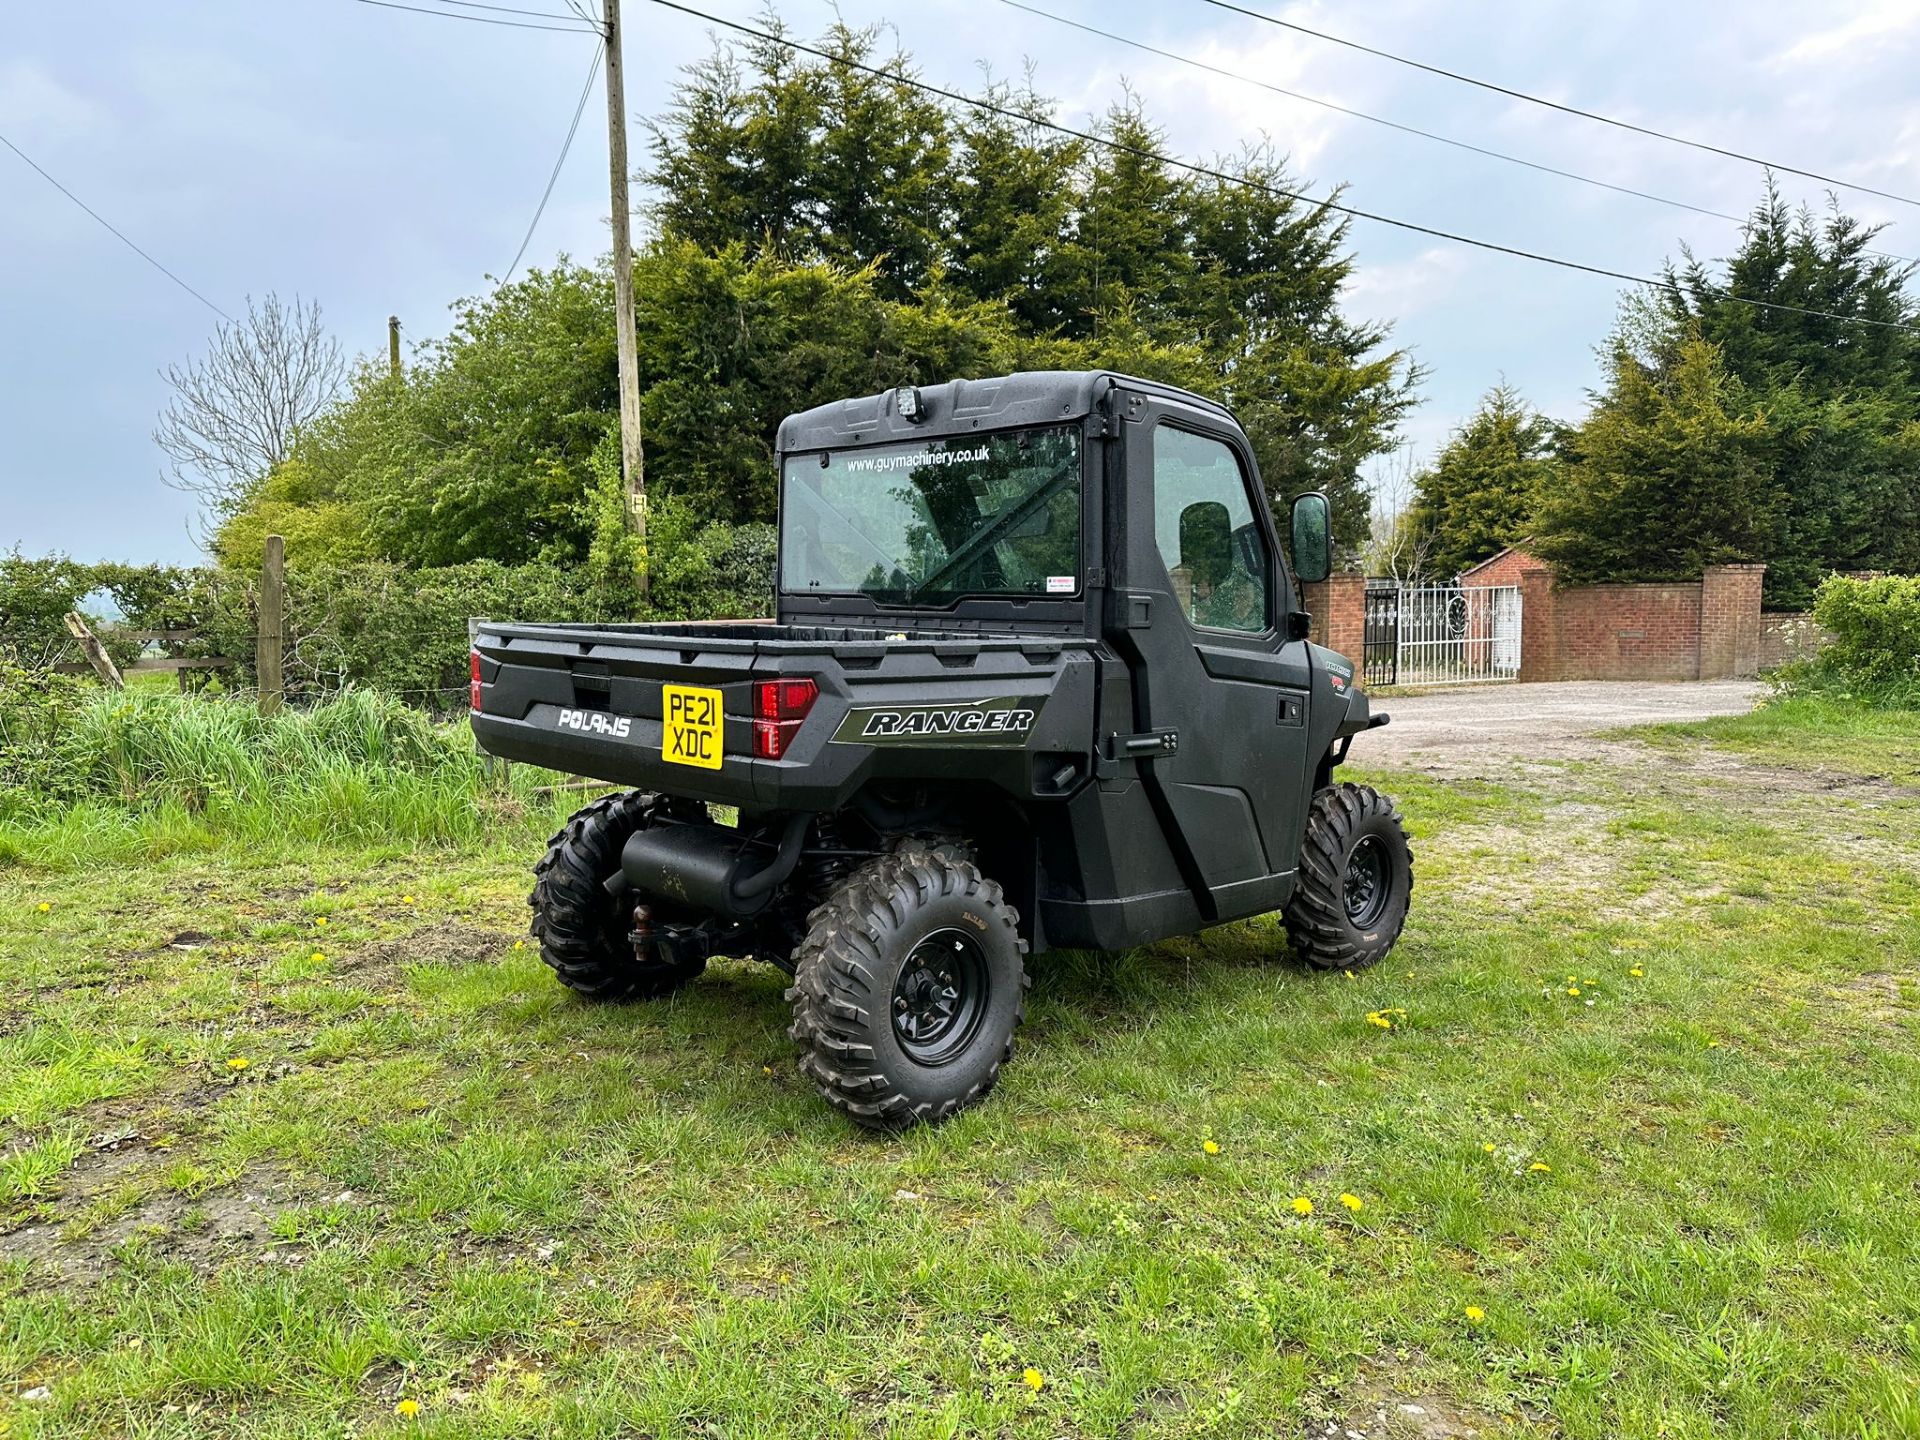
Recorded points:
1445,634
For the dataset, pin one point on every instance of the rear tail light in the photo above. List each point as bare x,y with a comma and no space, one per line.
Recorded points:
473,672
779,706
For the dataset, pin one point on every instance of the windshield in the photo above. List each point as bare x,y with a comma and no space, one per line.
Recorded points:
930,520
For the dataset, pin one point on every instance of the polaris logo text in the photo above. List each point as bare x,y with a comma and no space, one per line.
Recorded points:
595,723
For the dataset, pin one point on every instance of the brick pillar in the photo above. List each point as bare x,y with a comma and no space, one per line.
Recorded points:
1539,625
1730,621
1338,605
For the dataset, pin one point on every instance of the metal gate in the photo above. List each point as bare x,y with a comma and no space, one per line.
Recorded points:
1381,635
1442,634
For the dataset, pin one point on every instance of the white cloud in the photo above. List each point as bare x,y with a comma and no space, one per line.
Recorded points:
1393,290
1873,23
33,102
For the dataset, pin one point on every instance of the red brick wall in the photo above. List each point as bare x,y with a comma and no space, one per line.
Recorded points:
1730,621
1506,568
1627,632
1788,636
1705,631
1338,605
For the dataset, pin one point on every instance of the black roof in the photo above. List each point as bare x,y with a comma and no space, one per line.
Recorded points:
1031,397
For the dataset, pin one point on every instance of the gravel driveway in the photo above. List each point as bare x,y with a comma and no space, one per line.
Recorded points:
1443,728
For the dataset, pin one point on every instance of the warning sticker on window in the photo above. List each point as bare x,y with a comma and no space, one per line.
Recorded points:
1059,584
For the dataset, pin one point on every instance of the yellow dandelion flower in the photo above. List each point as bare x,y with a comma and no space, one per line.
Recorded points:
1212,1147
1032,1379
1488,1146
1572,978
319,958
238,1062
1352,1202
407,1409
1713,1044
1476,1314
406,899
519,944
1636,972
1374,1017
1302,1205
44,908
766,1070
321,921
785,1278
1573,989
1539,1167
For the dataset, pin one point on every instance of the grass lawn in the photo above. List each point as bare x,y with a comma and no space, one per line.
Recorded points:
295,1139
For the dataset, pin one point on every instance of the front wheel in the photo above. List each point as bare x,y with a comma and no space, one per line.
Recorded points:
907,989
1356,880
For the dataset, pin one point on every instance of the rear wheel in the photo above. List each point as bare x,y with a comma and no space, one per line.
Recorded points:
585,933
907,989
1355,882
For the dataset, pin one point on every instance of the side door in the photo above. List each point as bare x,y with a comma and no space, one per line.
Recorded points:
1203,613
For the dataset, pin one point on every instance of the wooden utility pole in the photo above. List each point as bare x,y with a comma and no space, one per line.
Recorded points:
393,345
95,652
269,646
633,463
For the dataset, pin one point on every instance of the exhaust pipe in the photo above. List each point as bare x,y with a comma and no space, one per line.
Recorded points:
708,867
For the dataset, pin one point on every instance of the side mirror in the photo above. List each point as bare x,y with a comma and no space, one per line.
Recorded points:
1312,545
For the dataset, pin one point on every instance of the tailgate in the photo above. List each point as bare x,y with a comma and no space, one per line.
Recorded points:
593,702
596,701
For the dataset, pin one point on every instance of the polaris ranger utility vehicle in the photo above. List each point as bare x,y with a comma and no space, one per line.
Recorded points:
1039,677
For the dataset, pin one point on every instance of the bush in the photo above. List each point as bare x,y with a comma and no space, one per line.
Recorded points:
379,625
1874,650
37,706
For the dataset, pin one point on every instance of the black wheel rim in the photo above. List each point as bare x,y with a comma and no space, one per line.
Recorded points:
940,997
1369,886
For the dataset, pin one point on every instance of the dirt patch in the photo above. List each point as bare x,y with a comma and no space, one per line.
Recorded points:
73,1248
1883,996
1376,1408
449,943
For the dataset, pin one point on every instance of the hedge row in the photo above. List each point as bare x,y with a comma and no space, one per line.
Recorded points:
375,624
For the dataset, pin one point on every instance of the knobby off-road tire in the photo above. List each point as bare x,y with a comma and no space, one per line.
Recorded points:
582,929
1355,881
908,988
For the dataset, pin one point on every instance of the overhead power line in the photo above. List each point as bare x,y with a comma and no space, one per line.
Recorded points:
1555,104
593,71
1226,177
1382,120
114,230
510,9
483,19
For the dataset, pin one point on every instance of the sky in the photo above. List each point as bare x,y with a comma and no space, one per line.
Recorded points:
383,162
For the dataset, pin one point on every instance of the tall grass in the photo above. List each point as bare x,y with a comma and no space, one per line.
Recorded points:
143,774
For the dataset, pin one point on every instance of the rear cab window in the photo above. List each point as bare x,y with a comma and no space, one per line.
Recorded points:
927,522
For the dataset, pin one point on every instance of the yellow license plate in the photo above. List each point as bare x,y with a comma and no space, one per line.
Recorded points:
693,725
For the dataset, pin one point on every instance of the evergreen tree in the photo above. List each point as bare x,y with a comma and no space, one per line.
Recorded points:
1670,473
1483,490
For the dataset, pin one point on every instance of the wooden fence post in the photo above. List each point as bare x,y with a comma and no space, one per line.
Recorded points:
95,652
269,645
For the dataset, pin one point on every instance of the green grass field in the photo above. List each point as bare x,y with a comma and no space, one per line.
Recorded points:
299,1140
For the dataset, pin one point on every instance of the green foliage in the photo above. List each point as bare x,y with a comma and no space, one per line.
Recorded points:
1483,490
826,232
1831,407
1873,647
36,708
1669,474
360,766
